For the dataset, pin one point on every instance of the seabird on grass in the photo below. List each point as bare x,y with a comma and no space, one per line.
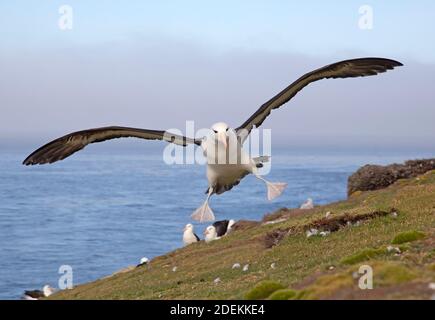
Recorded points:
309,204
38,294
227,162
189,236
143,261
223,227
210,234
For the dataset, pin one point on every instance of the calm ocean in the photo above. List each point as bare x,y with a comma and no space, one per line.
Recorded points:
101,211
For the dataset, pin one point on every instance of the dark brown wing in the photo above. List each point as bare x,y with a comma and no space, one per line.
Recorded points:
344,69
36,294
221,227
65,146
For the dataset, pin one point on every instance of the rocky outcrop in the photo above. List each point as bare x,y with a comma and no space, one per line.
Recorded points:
374,177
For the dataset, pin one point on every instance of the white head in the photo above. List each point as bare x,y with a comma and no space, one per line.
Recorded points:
230,225
221,129
144,260
47,290
210,234
309,201
188,227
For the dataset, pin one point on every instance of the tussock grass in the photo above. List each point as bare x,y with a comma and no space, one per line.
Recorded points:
263,290
408,236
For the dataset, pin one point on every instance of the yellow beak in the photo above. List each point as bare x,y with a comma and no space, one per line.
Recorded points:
222,137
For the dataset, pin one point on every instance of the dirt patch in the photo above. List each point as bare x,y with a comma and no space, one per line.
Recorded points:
335,223
374,177
331,224
274,237
245,224
285,213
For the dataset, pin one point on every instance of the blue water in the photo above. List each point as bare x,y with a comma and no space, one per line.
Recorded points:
101,211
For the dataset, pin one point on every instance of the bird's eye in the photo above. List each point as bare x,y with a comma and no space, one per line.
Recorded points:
214,131
227,130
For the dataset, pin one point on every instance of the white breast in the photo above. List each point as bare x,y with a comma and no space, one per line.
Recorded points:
189,237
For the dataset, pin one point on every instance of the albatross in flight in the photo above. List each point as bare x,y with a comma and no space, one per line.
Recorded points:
223,142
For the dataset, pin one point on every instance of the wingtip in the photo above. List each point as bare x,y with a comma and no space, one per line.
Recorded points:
396,63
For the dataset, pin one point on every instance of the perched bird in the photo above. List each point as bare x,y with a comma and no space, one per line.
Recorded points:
236,266
223,227
37,294
210,234
227,162
307,204
189,236
143,261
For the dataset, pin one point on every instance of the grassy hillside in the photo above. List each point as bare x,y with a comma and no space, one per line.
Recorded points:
392,230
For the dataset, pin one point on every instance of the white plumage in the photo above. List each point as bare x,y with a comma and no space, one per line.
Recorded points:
227,165
309,204
210,234
189,236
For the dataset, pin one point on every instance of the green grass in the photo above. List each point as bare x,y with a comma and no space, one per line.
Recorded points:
408,236
263,290
283,294
315,267
363,255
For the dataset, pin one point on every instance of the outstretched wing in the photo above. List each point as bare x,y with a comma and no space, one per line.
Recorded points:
65,146
344,69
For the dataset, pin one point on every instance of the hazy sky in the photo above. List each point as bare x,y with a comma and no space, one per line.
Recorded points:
156,64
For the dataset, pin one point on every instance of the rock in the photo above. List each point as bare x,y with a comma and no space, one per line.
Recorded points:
174,269
236,266
246,267
328,214
217,280
431,286
273,265
374,177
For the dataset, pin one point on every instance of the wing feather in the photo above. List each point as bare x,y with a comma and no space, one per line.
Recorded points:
65,146
344,69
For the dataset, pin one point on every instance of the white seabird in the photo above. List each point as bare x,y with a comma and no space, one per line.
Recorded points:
223,227
143,261
189,236
37,294
222,175
210,234
309,204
